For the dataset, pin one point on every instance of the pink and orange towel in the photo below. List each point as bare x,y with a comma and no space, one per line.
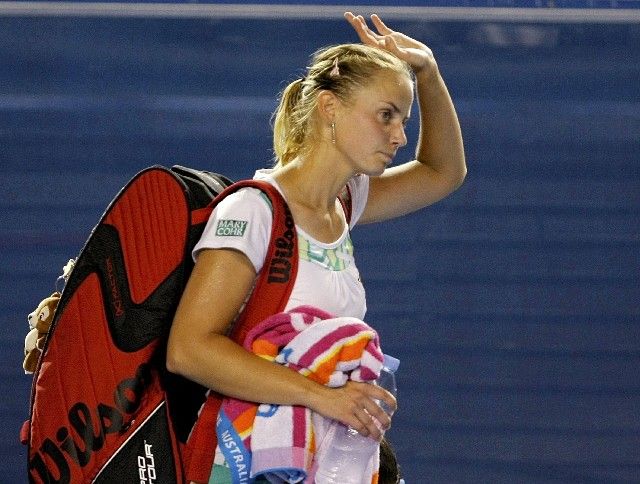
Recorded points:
279,441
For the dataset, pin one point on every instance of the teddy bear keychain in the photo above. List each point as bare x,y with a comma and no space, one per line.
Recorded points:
40,322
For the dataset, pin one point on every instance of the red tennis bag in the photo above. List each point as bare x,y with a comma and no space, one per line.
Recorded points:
103,407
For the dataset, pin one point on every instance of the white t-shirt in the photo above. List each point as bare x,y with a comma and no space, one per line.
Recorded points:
327,274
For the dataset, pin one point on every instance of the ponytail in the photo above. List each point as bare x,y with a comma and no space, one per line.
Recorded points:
288,135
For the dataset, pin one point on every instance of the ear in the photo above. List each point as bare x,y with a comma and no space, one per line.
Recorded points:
327,106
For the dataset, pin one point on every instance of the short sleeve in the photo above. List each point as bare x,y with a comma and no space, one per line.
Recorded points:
242,221
359,189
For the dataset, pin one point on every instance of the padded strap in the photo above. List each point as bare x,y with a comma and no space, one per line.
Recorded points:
270,296
275,283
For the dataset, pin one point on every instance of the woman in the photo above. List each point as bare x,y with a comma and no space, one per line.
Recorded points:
341,125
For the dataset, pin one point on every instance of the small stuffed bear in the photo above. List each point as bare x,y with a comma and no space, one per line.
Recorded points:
39,322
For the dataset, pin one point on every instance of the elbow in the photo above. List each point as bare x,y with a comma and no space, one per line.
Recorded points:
454,179
460,177
177,357
451,176
186,356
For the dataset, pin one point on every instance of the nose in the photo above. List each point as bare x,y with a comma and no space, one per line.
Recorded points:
398,136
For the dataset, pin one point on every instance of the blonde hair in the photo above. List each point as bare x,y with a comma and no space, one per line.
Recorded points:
340,69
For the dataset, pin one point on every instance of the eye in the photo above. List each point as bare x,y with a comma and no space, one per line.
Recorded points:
386,115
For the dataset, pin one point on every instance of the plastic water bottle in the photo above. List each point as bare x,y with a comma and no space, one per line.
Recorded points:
387,379
347,459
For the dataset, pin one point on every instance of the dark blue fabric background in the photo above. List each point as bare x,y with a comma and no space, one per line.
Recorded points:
513,305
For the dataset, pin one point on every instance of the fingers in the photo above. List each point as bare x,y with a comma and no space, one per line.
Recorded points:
372,419
384,406
389,400
355,405
383,38
366,35
380,25
359,23
391,45
367,425
415,53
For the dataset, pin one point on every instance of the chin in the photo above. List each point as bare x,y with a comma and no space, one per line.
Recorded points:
374,167
379,171
372,171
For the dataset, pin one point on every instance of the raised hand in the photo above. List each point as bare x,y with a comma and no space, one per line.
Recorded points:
415,53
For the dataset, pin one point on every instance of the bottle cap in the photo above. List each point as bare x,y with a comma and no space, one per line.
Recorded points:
391,363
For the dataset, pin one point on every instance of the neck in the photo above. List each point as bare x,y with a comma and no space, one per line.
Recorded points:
312,182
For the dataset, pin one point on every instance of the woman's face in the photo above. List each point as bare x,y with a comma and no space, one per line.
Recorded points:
370,129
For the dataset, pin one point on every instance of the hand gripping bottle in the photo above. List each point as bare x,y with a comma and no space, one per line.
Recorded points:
347,460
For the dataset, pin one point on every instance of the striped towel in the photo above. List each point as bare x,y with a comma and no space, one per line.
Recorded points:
278,442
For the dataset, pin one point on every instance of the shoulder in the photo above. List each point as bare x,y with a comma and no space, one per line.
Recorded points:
247,199
241,221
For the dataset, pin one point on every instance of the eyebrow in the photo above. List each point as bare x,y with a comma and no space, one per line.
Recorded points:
395,108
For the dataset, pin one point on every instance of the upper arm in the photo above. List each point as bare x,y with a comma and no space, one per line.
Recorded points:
404,189
218,286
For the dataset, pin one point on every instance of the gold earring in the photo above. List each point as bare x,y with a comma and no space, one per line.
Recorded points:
333,132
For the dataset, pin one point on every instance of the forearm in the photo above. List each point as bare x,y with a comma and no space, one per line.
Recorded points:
218,363
440,145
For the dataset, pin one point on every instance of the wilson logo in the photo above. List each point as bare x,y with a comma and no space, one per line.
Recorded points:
87,432
280,265
116,299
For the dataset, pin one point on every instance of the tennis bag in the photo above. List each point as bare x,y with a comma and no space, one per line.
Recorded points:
103,407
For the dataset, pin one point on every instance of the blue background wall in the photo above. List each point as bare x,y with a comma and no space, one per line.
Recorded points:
513,304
